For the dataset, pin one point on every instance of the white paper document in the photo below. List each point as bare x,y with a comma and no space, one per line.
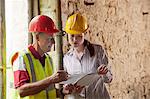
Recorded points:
81,79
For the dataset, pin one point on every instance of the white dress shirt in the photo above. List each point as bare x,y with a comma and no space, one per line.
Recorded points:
83,63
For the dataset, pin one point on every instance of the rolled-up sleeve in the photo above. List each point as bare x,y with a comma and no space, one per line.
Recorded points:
21,75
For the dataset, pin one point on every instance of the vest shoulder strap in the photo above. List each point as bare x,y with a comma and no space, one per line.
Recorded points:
50,59
31,66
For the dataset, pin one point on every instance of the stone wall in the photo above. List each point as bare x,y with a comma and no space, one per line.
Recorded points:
122,27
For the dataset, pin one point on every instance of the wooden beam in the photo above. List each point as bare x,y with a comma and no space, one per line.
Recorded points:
33,10
2,50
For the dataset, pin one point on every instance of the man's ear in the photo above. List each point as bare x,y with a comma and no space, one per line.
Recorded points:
37,37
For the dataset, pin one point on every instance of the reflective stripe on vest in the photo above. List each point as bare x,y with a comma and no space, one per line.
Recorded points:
31,67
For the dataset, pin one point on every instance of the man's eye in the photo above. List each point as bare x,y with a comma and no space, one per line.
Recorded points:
72,35
51,38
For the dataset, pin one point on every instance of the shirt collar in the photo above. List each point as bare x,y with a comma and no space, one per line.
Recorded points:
35,53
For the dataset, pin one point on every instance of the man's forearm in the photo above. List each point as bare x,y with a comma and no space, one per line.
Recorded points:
34,88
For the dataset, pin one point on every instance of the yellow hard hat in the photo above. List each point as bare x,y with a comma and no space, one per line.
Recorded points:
76,24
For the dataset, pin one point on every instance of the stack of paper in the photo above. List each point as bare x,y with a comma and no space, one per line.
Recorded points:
81,79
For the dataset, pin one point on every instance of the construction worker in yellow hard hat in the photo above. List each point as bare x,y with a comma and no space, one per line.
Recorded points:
84,57
33,67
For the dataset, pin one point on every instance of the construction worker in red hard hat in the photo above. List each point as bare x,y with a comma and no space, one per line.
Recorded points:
33,67
85,58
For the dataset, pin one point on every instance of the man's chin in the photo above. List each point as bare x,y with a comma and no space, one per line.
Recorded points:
48,50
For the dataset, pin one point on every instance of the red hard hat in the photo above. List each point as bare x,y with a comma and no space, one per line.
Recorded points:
42,23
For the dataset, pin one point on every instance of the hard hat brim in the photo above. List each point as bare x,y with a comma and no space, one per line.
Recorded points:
54,31
74,31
